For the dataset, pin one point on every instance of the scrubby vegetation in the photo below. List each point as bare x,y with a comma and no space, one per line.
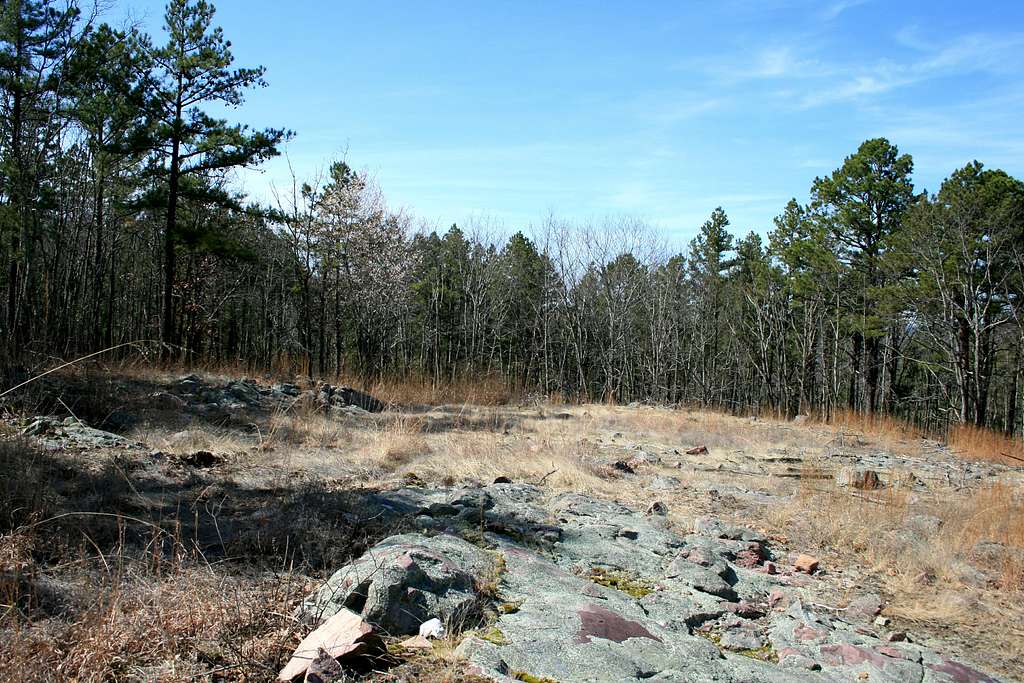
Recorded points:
873,298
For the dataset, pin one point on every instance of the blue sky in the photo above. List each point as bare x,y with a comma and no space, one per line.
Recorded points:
662,110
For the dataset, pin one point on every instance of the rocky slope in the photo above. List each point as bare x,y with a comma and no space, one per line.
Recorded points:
688,578
570,588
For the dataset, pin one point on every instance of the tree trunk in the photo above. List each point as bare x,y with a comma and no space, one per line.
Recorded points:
167,329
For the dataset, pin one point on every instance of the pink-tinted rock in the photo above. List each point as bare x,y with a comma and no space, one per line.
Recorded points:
959,673
417,642
805,632
598,622
791,658
777,599
343,635
851,655
806,564
750,556
864,607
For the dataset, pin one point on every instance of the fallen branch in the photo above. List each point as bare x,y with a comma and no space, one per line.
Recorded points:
72,362
541,481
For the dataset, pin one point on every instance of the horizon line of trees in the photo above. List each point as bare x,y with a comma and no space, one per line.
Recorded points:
119,222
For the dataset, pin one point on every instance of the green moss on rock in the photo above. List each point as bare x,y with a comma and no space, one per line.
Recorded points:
621,581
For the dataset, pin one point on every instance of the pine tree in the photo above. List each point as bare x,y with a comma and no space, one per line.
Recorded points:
35,42
193,70
708,269
110,76
862,204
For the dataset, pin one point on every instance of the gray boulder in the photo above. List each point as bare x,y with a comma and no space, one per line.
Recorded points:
73,433
244,390
405,580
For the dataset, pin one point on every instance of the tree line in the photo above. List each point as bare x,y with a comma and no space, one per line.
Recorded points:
119,222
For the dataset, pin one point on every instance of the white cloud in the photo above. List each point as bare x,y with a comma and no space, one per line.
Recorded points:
832,11
974,53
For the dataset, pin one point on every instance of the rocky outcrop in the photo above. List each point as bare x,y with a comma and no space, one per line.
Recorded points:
587,590
406,580
347,396
73,433
192,392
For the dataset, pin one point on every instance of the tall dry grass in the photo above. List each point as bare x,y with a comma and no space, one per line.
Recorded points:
941,558
130,616
889,432
978,443
481,390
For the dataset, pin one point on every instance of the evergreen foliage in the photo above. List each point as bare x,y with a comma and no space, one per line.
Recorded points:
118,222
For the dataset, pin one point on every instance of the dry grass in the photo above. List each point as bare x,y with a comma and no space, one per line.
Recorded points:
303,426
945,559
398,443
183,621
887,432
80,601
195,438
139,613
976,443
484,390
557,454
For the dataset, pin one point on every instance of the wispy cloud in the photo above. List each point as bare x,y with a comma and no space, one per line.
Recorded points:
974,53
802,72
832,11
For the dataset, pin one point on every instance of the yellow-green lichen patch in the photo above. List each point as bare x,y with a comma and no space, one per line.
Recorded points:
715,638
529,678
493,635
621,581
489,585
764,654
510,607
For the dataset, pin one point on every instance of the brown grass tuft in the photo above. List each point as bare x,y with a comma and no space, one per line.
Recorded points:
978,443
486,390
891,433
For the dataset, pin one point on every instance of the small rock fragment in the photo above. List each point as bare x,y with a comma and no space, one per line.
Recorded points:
741,639
864,607
343,635
859,478
697,450
657,508
777,599
432,628
663,483
806,564
416,643
324,669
